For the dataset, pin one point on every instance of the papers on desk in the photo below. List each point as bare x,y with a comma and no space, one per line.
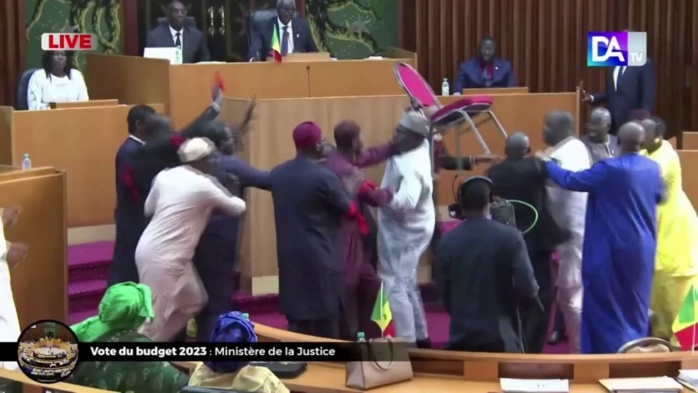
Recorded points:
642,385
510,385
689,378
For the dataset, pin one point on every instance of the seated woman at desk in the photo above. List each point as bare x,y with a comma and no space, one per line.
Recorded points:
56,81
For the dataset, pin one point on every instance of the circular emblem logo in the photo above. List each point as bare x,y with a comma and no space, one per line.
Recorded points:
47,351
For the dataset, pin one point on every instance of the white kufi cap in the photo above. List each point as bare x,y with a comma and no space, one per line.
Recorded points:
195,149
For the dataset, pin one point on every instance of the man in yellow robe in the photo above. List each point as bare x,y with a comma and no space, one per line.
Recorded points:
676,264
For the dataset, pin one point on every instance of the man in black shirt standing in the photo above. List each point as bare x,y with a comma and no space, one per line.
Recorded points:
523,178
482,268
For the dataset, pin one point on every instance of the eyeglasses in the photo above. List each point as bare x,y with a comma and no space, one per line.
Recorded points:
286,12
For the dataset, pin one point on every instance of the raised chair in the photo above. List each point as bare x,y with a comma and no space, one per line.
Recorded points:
648,345
465,110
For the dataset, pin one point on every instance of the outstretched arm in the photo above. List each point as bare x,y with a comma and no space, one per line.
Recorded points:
374,155
583,181
248,175
444,160
209,114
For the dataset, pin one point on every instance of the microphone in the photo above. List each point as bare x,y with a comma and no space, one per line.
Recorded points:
307,70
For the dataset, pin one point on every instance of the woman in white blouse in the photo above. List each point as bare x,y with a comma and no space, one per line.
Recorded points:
57,81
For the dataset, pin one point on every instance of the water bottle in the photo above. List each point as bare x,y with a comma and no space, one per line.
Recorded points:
26,162
246,316
178,55
445,88
361,337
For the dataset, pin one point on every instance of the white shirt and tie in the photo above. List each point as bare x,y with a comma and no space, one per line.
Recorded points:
289,29
178,34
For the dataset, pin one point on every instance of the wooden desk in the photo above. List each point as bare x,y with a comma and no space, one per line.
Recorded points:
82,142
39,283
487,92
83,104
689,140
185,89
269,144
476,371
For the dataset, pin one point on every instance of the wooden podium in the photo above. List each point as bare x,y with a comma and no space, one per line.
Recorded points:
40,282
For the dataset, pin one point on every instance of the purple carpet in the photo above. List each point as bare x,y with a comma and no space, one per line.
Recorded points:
88,265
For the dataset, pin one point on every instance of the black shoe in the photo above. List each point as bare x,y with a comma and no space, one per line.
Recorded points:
555,337
424,343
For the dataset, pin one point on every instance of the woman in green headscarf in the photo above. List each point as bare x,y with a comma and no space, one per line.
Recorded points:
123,309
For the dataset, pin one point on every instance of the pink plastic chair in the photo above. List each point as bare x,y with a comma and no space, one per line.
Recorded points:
461,111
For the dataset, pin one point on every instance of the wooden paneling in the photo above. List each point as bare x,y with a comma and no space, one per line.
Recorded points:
11,48
546,42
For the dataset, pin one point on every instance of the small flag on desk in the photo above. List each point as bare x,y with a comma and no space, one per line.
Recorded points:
381,314
275,51
685,326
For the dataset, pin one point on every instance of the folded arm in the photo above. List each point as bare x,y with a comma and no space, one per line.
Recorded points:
408,193
583,181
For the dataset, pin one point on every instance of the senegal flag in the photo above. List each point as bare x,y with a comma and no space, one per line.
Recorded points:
381,314
275,51
685,326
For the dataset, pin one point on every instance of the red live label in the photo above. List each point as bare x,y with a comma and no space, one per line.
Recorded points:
68,41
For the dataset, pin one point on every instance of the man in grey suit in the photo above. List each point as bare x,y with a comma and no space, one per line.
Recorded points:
176,33
293,32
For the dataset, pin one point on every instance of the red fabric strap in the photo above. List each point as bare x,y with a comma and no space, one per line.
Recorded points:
355,214
127,179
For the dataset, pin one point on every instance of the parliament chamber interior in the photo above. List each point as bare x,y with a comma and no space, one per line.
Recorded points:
373,59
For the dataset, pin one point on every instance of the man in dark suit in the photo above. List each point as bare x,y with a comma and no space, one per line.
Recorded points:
178,34
484,70
309,206
293,32
521,177
627,89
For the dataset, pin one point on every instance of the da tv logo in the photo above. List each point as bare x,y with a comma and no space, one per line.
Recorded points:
68,41
616,48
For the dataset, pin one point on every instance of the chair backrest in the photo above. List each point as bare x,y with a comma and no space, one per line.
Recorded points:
189,21
258,20
414,85
647,345
21,103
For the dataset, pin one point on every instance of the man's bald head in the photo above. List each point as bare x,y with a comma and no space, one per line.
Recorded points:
598,125
517,145
631,137
558,126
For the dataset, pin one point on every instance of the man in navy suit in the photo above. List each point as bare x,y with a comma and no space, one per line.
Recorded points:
293,32
178,34
627,89
309,206
484,70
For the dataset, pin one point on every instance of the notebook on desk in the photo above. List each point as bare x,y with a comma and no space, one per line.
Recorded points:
689,378
511,385
642,385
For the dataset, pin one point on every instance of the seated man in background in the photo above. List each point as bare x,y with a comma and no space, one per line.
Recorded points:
482,268
484,70
600,143
56,81
177,34
293,33
523,178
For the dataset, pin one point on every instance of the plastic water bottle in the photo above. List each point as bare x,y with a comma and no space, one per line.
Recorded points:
178,55
445,88
361,337
26,162
246,316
